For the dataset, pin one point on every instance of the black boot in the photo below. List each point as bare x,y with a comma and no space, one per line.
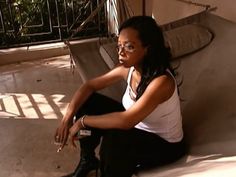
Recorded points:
88,160
85,166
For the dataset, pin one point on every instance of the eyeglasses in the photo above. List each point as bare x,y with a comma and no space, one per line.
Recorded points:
128,47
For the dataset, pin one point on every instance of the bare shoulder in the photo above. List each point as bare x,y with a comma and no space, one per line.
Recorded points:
121,70
162,86
109,78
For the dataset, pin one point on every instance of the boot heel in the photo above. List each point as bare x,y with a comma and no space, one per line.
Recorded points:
97,172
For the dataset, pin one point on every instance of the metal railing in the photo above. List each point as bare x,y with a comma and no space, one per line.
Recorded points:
29,22
114,10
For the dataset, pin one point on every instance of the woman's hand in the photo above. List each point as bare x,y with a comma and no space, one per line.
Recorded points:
62,133
74,131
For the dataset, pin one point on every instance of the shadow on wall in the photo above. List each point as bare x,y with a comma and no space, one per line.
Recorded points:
208,91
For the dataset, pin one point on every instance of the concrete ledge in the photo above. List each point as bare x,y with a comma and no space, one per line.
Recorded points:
109,54
13,55
35,52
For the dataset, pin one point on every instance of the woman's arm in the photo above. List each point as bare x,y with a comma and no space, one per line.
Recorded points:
82,94
158,91
93,85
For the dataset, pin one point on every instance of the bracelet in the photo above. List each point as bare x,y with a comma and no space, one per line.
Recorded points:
82,121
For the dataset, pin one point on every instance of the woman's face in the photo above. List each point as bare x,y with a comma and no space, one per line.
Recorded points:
130,48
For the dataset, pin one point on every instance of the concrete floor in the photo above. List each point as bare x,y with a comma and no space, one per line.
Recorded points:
33,98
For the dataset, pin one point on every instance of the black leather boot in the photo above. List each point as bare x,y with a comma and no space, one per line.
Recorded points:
85,166
88,160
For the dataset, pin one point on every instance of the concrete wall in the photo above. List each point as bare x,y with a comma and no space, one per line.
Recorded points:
166,11
136,6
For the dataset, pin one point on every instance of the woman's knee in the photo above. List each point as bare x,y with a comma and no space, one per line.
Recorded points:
98,104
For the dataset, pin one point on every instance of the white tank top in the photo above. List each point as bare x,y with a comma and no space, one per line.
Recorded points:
166,118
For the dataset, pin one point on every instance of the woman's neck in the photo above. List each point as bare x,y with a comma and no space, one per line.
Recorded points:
136,77
138,71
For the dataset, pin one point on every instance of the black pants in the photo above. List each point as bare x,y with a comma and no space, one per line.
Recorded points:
122,151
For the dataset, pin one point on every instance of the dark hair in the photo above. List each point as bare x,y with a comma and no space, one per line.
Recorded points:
157,59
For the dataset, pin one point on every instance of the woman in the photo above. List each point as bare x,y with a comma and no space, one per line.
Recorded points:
146,129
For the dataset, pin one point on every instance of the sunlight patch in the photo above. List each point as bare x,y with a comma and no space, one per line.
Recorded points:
32,106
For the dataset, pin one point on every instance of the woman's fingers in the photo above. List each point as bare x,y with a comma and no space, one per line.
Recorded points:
72,141
61,136
64,137
72,135
65,133
56,136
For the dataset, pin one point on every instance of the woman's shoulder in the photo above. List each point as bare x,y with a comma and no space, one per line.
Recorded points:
121,70
164,84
